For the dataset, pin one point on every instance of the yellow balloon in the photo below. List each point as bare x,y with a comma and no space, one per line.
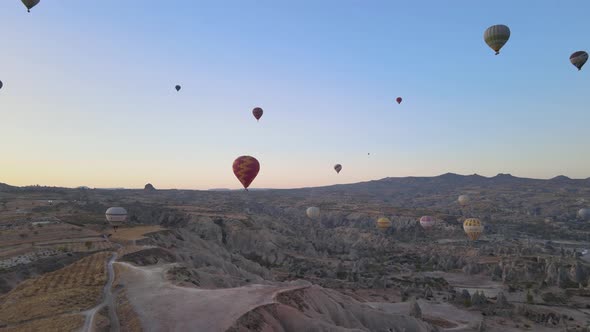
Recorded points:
384,223
473,228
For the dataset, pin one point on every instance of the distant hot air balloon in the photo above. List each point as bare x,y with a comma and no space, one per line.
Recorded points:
496,36
384,223
463,200
257,112
338,168
473,228
427,222
30,4
399,100
1,84
584,214
178,87
116,215
313,212
578,59
246,169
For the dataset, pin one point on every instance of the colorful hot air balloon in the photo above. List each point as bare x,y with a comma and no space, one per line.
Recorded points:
178,87
338,168
399,100
496,36
257,112
384,223
427,222
30,4
313,212
578,59
473,228
463,200
246,169
584,214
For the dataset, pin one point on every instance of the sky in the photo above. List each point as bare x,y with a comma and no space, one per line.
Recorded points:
89,98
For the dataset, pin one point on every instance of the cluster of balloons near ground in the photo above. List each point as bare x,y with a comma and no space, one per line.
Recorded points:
473,227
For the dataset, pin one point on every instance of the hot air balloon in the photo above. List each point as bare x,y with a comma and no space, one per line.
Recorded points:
313,212
246,169
257,112
116,215
399,100
578,59
584,214
30,4
496,36
427,222
384,223
338,168
473,228
463,200
178,87
1,84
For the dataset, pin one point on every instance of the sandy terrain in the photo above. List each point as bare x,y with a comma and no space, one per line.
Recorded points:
190,309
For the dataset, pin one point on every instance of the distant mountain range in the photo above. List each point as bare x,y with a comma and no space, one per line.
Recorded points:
444,181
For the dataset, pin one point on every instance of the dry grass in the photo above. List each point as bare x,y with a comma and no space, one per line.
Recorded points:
72,289
53,324
134,233
47,233
127,316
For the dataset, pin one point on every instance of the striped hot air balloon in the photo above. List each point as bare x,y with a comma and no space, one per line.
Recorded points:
578,59
313,212
427,222
496,37
115,216
473,228
246,169
257,112
384,223
338,168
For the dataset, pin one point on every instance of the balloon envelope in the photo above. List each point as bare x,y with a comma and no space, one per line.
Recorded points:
578,59
30,4
584,214
178,87
463,199
473,228
246,169
399,100
496,37
427,222
313,212
384,223
116,214
338,168
257,112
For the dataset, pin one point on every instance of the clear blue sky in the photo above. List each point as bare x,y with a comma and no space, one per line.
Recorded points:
89,97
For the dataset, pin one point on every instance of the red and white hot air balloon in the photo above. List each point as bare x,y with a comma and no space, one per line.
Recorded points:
427,222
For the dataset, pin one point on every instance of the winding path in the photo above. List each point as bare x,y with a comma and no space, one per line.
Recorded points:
108,301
